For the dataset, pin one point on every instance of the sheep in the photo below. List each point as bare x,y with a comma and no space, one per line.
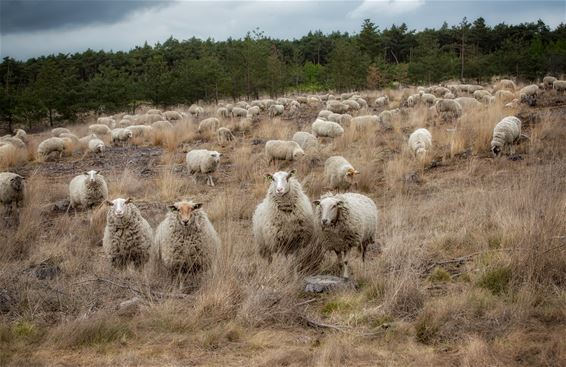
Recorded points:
529,94
210,124
245,124
321,128
302,99
479,94
468,103
224,136
505,134
420,142
548,81
428,99
140,130
283,150
323,114
305,140
253,111
276,110
186,241
363,122
85,139
283,222
337,106
222,112
12,190
203,161
172,115
50,146
559,85
352,104
344,221
60,130
147,119
385,119
96,146
313,101
162,125
239,112
505,84
87,190
362,102
108,121
154,112
128,117
99,129
121,136
21,134
124,123
339,173
504,96
243,104
448,109
344,96
196,110
128,237
72,137
342,119
16,142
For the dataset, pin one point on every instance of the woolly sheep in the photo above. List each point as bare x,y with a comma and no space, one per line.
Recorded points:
343,119
172,115
196,110
362,102
108,121
245,124
479,94
559,85
468,103
12,190
302,99
21,134
505,134
243,104
337,106
211,124
185,240
96,146
222,112
154,111
339,173
99,129
283,150
420,142
283,222
121,136
161,125
428,99
504,96
140,130
224,136
71,137
353,105
276,110
305,140
60,130
253,111
448,109
505,84
128,237
147,119
239,112
124,123
323,114
548,81
385,118
345,221
529,94
50,146
321,128
85,139
363,122
87,190
204,162
17,143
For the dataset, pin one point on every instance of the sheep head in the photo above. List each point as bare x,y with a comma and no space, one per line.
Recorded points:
280,182
329,210
184,210
120,207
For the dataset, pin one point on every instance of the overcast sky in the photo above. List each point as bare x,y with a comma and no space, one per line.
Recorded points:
30,28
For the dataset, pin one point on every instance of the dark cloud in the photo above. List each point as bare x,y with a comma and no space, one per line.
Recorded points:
18,16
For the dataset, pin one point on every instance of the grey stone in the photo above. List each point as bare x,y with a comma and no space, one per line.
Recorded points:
327,283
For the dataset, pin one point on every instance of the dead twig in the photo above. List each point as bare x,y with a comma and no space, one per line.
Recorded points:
137,291
306,302
343,329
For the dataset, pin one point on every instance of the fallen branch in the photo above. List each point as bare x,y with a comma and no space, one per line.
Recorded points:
460,259
136,290
306,302
343,329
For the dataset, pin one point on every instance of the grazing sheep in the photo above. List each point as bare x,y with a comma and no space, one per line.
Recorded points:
253,111
124,123
364,122
72,137
420,142
224,136
321,128
87,190
99,129
505,134
342,119
210,124
222,112
245,124
324,114
427,99
305,140
505,84
147,119
154,112
339,173
172,115
12,190
96,146
352,104
548,81
185,240
337,106
50,146
243,104
196,110
302,99
529,94
140,130
239,112
108,121
448,109
16,142
313,101
283,222
128,237
559,86
162,125
21,134
345,221
203,161
121,136
276,110
479,94
59,130
468,103
283,150
85,139
504,96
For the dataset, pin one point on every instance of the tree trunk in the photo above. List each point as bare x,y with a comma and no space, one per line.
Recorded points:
462,60
51,117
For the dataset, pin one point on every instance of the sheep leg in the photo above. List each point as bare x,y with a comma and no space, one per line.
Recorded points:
512,149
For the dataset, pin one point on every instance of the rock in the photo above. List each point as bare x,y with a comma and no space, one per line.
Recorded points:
60,206
327,283
412,178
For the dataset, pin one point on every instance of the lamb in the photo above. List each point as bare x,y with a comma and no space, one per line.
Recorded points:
121,136
529,94
548,81
128,237
283,150
12,190
321,128
276,110
203,161
305,140
339,173
239,112
505,134
224,136
448,109
60,130
172,115
96,146
87,190
283,222
49,146
345,221
559,85
99,129
420,142
185,240
211,124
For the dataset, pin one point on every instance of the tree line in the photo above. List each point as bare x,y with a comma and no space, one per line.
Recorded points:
61,87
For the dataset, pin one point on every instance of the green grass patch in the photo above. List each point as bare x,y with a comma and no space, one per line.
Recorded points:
439,275
496,280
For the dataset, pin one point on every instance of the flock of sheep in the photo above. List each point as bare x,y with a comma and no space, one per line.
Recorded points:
285,222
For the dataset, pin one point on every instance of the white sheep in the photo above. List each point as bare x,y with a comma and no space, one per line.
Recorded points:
343,119
85,139
12,190
124,123
154,111
96,146
345,221
448,109
479,94
420,142
204,162
559,86
147,119
21,134
283,222
224,136
99,129
128,237
324,114
504,96
87,190
108,121
222,112
162,125
209,124
305,140
49,146
276,110
196,110
364,122
172,115
121,136
352,104
185,240
140,131
283,150
321,128
253,111
337,106
529,94
505,134
239,112
60,130
548,81
339,173
505,84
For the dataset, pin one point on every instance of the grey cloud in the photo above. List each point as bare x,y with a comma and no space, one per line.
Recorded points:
19,16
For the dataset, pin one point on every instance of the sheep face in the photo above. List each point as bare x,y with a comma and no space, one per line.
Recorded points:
120,207
496,150
298,153
215,156
350,175
184,210
280,182
329,211
17,183
91,176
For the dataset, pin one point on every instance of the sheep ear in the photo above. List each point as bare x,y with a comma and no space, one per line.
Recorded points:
172,208
356,172
128,200
197,206
108,202
292,173
316,202
268,177
97,172
220,154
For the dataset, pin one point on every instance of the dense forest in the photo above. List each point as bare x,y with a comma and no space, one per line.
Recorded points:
56,87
